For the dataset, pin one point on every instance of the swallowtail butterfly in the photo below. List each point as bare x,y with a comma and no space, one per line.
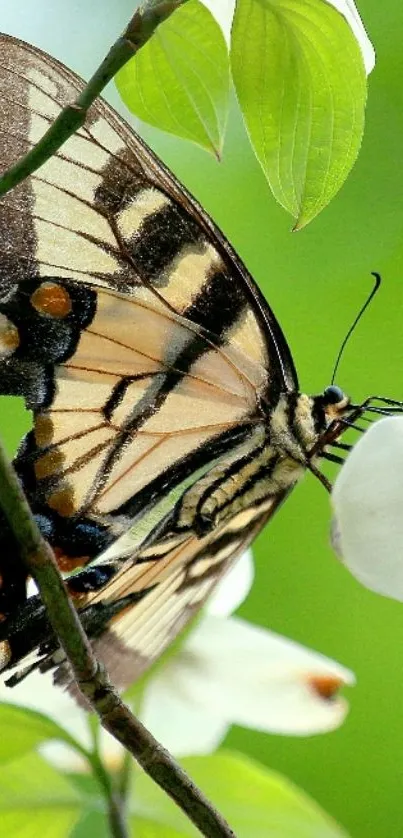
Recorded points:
168,423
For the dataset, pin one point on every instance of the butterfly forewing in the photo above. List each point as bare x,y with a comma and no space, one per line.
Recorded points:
144,349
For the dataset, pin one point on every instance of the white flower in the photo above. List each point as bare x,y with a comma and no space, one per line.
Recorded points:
367,499
226,672
231,672
223,11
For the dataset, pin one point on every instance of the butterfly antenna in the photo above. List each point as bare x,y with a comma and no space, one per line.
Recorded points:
357,319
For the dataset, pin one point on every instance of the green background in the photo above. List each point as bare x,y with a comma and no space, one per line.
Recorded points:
315,281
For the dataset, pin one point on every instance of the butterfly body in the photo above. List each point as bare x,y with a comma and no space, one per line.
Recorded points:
168,425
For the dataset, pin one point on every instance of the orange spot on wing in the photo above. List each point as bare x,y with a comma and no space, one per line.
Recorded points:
9,336
68,563
62,502
52,300
48,464
43,430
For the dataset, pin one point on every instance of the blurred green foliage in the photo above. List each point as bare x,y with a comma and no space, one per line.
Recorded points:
315,281
35,797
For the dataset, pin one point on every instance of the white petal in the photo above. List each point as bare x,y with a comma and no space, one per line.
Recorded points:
349,10
239,673
178,724
367,499
233,588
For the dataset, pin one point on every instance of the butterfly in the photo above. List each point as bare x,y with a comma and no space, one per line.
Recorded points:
168,425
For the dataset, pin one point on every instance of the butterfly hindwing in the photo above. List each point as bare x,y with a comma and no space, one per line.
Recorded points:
134,617
192,569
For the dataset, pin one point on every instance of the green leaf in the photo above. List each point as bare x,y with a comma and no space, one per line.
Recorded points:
301,85
95,825
179,81
35,800
256,802
145,828
92,824
23,729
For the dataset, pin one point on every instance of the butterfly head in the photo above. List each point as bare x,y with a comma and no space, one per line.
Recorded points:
333,402
329,409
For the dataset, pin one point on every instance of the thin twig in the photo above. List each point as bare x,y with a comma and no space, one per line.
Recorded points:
142,25
90,676
116,817
123,780
116,811
115,800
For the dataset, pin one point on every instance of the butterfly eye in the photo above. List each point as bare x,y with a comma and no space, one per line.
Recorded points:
333,395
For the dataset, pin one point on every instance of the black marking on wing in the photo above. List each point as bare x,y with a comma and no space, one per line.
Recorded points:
13,573
218,305
44,341
119,391
162,236
122,180
235,538
26,628
74,537
92,579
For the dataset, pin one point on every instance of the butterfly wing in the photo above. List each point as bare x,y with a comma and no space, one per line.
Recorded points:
138,339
